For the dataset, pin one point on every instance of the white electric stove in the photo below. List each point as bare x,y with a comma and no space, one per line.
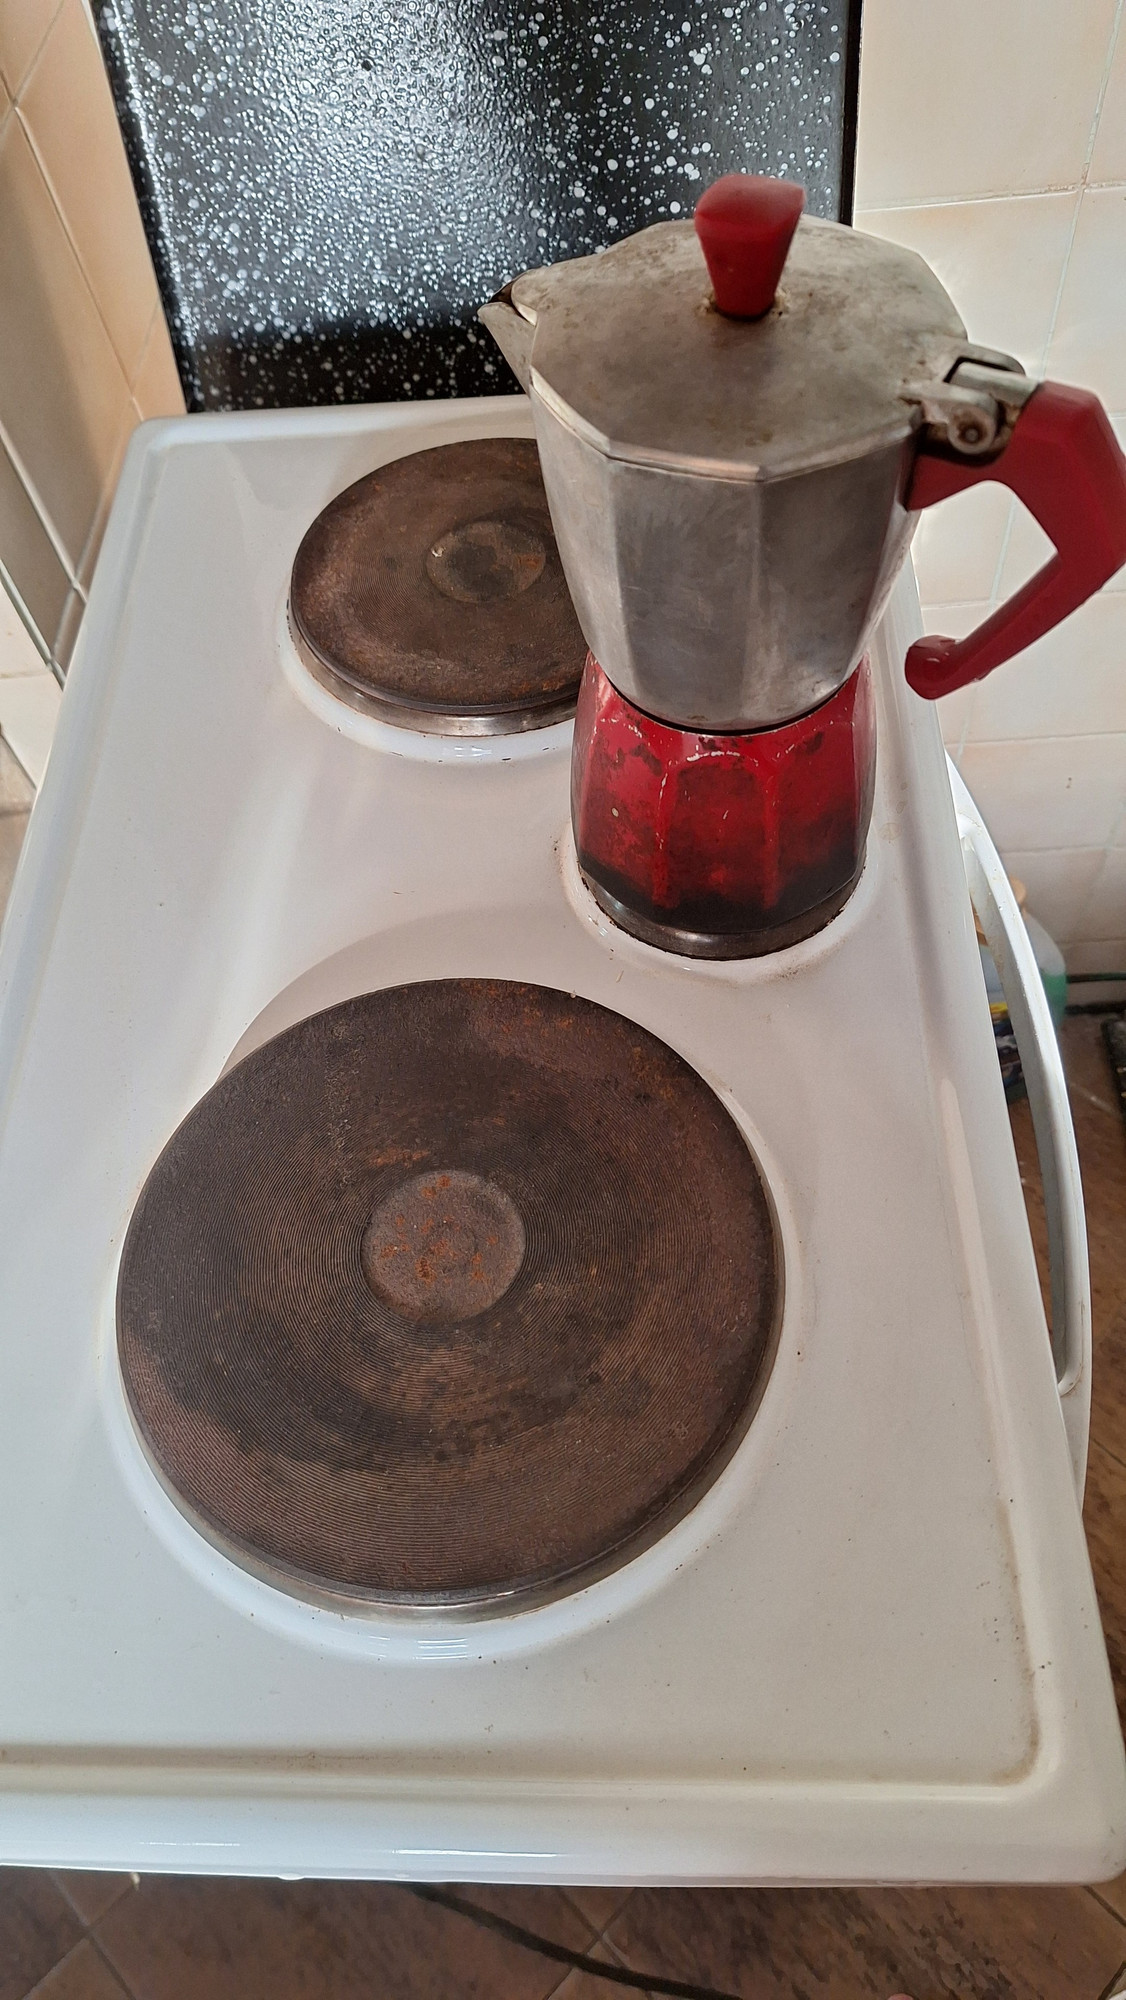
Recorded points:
871,1651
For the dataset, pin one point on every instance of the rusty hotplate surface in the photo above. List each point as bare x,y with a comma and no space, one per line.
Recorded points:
456,1294
431,592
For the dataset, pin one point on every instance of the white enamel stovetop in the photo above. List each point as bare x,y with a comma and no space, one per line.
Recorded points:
871,1651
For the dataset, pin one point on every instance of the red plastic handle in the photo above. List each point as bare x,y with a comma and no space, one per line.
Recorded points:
1064,462
746,223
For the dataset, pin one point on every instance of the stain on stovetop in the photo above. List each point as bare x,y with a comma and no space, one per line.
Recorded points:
486,1377
331,190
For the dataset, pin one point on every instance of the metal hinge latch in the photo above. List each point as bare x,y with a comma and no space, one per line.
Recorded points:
972,413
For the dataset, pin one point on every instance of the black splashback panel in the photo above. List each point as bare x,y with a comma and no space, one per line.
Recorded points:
332,187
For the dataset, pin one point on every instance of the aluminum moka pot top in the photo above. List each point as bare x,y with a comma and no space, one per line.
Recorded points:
630,348
725,410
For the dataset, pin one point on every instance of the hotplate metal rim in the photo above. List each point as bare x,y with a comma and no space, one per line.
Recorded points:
350,1621
486,722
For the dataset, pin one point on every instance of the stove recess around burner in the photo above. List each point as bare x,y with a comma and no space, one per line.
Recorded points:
457,1295
431,593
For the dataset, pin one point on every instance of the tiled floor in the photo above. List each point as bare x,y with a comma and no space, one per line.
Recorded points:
76,1937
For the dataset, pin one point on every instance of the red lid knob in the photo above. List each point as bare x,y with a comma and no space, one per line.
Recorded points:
745,224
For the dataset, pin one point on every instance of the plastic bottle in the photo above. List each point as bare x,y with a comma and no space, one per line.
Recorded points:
1053,972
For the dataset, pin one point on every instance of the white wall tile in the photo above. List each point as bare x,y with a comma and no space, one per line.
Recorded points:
958,543
1089,344
17,793
101,518
1059,886
1028,547
1070,683
965,545
979,165
28,554
18,654
1097,955
29,708
63,396
959,98
1105,914
1001,261
12,826
157,391
68,111
953,621
954,714
1048,792
1027,550
23,30
1108,157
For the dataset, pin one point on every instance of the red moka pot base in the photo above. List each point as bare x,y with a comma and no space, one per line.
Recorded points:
726,845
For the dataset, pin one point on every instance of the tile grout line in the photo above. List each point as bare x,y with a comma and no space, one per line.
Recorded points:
90,1930
108,488
89,1925
1082,183
95,1942
581,1913
620,1956
1111,588
1053,319
1085,901
598,1937
572,1905
1112,1455
1002,553
553,1990
156,309
52,1969
56,204
601,1937
1114,1981
1063,736
133,416
45,521
9,586
1112,47
87,1937
1118,829
968,200
129,375
32,63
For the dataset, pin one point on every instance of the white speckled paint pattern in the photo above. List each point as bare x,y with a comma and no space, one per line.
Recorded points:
333,189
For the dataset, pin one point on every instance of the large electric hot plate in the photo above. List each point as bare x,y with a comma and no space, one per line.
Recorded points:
455,1294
